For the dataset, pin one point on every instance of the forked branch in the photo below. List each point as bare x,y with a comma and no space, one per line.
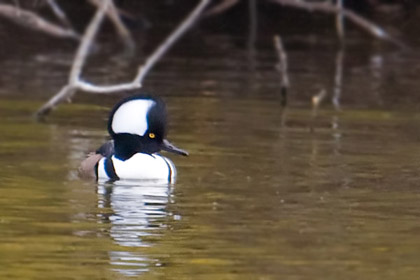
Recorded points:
75,81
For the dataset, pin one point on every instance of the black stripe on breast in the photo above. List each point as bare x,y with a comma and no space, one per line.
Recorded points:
96,170
110,169
169,168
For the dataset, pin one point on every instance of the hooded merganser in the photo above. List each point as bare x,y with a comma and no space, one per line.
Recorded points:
137,125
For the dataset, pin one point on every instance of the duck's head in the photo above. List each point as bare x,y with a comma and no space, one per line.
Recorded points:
138,125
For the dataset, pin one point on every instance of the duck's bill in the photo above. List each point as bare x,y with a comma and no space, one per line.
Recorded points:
169,147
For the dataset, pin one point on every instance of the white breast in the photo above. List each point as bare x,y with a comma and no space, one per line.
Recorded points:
141,167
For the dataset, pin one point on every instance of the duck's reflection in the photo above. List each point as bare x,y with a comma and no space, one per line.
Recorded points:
138,213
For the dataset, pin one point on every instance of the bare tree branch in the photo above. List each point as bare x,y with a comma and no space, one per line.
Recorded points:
31,20
328,7
76,83
221,7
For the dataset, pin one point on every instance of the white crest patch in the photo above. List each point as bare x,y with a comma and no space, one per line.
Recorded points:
131,117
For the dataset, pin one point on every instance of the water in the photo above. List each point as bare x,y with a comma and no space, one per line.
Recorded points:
265,194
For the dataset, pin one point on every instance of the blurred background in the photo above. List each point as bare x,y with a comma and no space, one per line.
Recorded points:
309,190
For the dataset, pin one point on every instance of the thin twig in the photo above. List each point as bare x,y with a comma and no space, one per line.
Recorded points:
282,68
123,32
76,83
339,21
59,13
338,79
33,21
220,8
327,7
316,101
338,88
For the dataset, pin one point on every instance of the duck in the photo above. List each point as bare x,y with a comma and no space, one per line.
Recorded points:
138,128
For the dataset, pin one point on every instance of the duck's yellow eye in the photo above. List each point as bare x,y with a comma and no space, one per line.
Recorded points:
152,135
